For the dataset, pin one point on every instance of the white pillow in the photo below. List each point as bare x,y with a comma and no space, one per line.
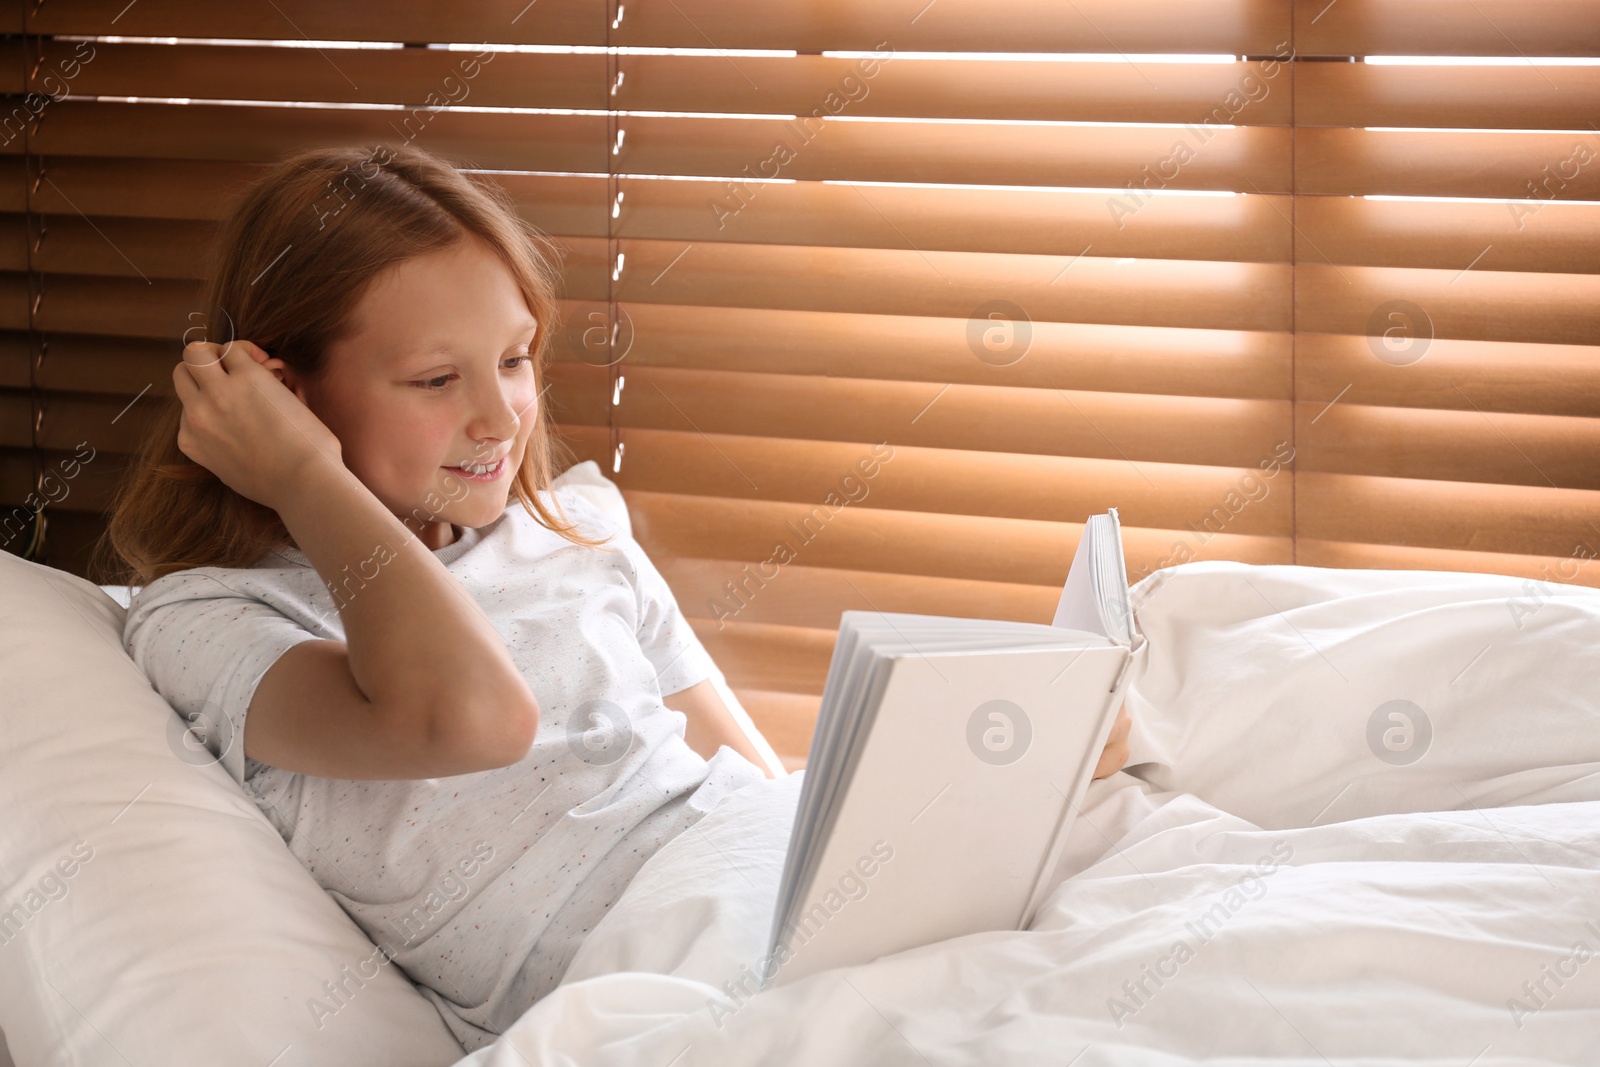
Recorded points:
149,913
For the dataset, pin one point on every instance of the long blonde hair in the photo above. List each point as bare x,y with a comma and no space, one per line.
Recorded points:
327,221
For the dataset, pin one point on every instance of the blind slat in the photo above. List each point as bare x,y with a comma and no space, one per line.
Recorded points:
1497,376
13,243
16,353
244,134
1448,516
1497,166
1229,26
1446,28
1146,292
728,591
467,21
13,66
802,85
128,307
791,659
1560,237
119,319
70,419
180,189
1185,26
1524,97
111,247
1242,227
945,546
483,77
1126,426
840,475
83,363
1429,443
13,191
1060,223
1241,158
78,482
1473,304
1583,571
1060,355
1063,356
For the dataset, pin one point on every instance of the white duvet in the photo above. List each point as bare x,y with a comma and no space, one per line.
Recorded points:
1361,824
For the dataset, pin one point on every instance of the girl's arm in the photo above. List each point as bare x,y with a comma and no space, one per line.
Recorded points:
422,685
711,724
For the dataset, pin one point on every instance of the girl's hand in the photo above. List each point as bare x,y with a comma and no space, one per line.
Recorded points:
1115,753
243,424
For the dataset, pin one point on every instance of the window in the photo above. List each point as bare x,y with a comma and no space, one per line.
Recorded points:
870,308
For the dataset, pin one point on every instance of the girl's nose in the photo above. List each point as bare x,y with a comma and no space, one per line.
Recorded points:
502,412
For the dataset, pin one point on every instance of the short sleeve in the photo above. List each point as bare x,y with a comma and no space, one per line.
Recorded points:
204,647
665,636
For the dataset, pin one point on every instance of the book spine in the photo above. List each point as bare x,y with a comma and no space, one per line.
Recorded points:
1127,662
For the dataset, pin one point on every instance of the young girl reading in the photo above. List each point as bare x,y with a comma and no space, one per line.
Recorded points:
471,722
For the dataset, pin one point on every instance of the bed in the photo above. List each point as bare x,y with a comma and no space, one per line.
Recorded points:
1360,823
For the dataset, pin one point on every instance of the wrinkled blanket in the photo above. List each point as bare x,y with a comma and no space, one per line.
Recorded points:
1360,823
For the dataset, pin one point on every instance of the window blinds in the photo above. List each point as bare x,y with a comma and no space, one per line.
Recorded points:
869,305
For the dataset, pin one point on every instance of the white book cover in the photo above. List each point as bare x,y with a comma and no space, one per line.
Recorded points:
947,766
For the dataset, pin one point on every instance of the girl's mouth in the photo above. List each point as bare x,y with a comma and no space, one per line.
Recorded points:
488,476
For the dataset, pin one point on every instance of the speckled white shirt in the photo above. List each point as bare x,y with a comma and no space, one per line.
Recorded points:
480,886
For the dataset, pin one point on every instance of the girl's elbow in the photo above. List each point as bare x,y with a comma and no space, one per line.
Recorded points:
506,732
527,727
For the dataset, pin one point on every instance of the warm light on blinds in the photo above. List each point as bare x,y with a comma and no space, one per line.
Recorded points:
1283,282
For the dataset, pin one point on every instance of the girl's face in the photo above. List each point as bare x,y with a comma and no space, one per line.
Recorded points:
434,373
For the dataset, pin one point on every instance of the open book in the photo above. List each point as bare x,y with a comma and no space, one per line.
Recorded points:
948,763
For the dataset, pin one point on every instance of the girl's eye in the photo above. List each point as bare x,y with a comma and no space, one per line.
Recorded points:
434,385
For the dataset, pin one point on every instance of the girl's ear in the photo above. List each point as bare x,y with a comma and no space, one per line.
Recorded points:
286,374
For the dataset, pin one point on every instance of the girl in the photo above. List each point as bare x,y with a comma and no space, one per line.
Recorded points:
472,723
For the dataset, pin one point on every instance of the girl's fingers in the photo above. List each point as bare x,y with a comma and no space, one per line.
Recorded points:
237,352
1116,751
183,382
1121,728
199,355
205,359
249,348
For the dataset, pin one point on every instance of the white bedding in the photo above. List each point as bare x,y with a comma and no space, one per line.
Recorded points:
1345,886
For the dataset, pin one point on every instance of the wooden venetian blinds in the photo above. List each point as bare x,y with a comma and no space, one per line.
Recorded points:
870,304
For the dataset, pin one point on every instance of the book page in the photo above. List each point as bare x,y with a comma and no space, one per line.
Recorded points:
1095,597
1079,605
1112,574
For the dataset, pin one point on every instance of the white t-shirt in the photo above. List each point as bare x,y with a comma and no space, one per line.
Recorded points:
480,886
